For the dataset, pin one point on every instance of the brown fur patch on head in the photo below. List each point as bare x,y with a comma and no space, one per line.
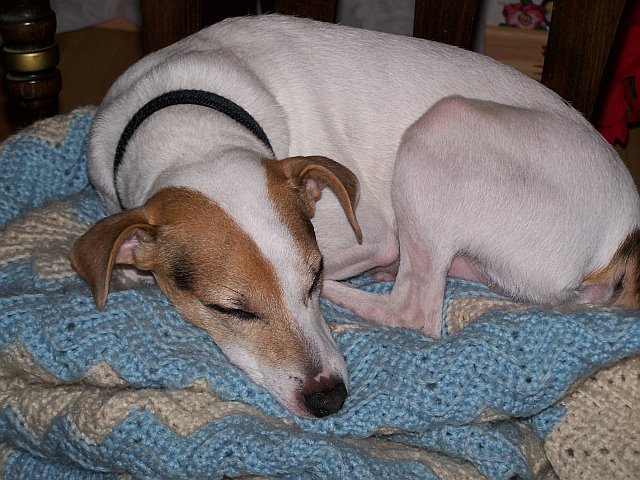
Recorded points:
295,185
208,266
293,206
182,270
218,278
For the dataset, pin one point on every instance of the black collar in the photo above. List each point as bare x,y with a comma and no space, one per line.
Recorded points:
185,97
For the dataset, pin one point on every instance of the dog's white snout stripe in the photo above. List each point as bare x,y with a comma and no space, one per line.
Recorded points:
324,374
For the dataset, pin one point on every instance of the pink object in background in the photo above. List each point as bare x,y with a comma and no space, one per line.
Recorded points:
525,14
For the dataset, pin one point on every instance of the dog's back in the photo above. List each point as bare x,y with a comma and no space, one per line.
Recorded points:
316,87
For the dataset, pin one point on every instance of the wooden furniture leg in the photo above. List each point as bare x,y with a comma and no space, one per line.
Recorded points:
167,21
580,40
452,21
324,10
30,56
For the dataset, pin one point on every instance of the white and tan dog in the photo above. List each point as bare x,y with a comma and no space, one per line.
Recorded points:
451,163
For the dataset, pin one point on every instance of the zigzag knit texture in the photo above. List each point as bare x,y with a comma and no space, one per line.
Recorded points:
135,391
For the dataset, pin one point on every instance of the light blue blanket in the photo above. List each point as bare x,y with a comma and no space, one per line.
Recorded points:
137,390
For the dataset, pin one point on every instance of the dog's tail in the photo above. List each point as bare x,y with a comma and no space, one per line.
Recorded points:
619,282
628,256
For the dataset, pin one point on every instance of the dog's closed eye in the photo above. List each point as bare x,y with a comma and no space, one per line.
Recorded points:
315,285
233,312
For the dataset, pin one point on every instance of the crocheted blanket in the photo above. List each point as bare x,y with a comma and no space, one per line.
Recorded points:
513,391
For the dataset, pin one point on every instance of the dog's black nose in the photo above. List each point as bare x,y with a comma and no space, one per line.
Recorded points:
326,398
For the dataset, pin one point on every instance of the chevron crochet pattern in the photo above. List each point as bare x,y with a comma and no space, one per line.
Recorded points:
135,391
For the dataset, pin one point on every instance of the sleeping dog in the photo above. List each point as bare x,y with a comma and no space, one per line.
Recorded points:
256,164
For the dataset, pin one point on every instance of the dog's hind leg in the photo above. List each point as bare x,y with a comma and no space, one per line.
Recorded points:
415,300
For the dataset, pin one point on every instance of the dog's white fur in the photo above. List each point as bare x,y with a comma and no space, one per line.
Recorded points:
465,166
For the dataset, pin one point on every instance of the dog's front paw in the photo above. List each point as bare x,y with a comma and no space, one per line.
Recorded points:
432,328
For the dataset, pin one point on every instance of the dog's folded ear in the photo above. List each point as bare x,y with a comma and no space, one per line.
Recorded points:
114,239
316,172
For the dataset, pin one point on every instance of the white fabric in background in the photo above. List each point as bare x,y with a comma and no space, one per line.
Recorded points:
77,14
392,16
396,16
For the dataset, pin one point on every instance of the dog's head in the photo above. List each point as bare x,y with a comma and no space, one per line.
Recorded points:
253,283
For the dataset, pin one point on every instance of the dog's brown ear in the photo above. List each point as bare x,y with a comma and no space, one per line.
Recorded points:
113,239
317,172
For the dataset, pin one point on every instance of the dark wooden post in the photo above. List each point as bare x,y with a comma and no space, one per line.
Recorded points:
30,56
450,21
167,21
580,39
324,10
